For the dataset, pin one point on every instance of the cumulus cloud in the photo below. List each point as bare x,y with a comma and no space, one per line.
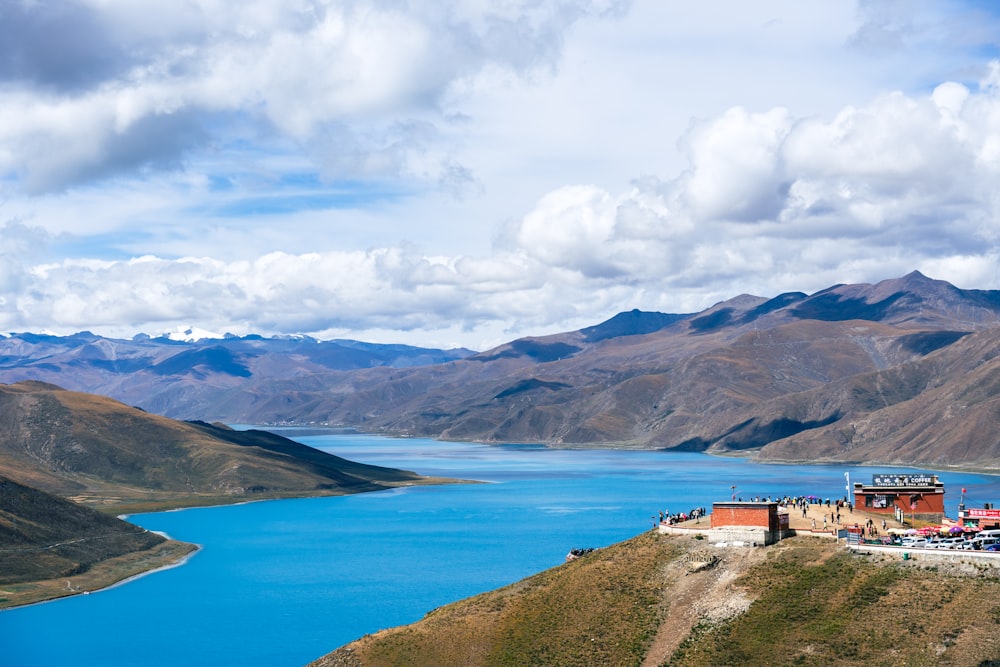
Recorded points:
569,229
21,246
904,182
736,167
298,166
785,203
331,76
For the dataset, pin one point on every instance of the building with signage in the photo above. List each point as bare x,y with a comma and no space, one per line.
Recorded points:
904,495
984,518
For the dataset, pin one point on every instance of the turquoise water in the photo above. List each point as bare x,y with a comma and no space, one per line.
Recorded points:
283,582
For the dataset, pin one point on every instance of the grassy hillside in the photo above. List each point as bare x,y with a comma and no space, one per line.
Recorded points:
42,536
96,450
47,542
659,600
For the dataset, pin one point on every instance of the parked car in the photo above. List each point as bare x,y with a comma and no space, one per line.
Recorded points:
950,543
913,542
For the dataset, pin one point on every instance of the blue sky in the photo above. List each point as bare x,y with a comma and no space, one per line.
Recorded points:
466,173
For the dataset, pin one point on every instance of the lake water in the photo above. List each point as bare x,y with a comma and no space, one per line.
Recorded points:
283,582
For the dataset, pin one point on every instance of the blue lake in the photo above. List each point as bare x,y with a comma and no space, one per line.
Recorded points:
283,582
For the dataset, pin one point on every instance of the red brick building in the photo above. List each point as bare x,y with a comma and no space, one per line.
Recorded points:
749,515
739,524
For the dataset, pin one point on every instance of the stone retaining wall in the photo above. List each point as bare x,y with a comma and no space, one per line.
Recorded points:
991,558
750,535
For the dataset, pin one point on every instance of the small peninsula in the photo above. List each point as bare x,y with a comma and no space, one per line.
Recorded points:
70,462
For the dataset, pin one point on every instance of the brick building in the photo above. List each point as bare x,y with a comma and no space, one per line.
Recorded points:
758,522
903,495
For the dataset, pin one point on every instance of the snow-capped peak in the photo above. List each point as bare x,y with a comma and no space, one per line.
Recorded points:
191,334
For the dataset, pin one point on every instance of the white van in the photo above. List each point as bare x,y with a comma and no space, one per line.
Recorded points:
980,542
988,533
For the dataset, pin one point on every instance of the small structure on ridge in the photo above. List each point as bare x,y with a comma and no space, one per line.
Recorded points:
755,522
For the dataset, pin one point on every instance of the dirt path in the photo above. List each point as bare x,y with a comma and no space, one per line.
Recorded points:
701,587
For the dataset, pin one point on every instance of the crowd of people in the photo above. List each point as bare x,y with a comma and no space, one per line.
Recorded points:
671,519
800,503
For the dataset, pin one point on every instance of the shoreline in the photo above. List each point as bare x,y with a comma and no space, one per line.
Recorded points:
101,577
47,590
748,454
169,566
182,552
132,507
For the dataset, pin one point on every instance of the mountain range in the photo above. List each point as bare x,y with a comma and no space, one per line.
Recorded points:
899,372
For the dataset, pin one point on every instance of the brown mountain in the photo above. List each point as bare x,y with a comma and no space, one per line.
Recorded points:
43,536
95,449
899,371
177,378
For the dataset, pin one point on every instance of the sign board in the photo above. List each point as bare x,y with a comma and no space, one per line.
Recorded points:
974,513
903,480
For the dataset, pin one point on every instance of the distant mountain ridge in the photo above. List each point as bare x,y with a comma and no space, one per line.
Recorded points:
170,377
843,374
223,355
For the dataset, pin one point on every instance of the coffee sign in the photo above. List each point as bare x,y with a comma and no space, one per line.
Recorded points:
902,480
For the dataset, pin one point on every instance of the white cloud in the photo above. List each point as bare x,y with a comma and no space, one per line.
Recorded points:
737,172
875,190
358,68
569,228
340,168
